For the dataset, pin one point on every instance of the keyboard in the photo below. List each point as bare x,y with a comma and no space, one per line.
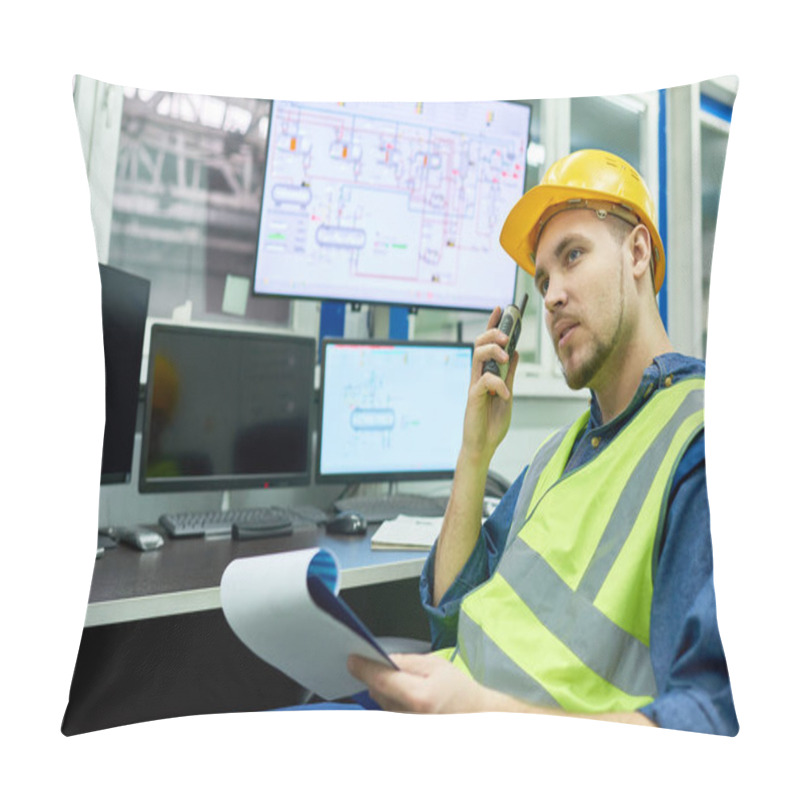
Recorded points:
220,523
379,509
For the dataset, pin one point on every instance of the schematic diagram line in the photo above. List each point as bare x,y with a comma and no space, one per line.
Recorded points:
406,198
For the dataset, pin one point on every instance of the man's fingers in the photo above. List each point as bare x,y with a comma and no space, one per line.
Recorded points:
494,318
365,669
394,690
495,385
416,663
490,336
492,332
512,371
490,351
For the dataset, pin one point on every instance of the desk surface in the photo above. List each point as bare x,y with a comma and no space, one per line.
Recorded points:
184,575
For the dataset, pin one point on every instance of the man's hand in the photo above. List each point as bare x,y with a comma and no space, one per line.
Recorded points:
427,684
488,412
486,421
424,684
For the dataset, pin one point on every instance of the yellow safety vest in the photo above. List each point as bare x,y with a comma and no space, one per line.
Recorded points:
565,619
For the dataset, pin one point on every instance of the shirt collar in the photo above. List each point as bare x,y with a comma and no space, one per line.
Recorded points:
664,370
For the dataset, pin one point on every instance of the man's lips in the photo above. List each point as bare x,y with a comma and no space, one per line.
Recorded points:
562,331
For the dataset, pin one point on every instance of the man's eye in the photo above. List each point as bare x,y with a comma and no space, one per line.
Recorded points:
574,253
543,284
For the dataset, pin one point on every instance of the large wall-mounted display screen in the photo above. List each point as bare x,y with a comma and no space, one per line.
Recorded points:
394,203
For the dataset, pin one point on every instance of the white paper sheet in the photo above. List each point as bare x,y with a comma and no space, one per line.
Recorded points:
407,533
267,603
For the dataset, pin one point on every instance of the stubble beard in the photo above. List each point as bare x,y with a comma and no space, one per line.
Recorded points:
601,350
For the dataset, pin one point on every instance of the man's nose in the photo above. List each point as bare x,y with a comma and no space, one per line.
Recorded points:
555,297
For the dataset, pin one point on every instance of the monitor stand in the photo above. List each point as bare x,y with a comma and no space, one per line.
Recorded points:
379,508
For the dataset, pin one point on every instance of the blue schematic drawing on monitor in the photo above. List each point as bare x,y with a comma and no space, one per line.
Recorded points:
391,410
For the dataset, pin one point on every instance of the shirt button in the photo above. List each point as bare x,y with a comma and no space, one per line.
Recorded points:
668,381
595,441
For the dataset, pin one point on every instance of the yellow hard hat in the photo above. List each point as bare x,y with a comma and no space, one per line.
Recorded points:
584,179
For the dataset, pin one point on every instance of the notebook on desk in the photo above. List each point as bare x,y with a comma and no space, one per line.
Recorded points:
407,533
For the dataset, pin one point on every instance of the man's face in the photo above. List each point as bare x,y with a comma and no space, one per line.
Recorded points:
579,273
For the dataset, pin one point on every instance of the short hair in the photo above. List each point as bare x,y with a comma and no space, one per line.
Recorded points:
620,229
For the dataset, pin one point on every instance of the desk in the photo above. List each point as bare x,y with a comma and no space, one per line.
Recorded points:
156,644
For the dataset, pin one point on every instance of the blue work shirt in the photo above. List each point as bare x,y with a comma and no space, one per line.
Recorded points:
694,692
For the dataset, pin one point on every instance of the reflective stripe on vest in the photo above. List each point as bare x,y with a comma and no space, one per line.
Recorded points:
565,619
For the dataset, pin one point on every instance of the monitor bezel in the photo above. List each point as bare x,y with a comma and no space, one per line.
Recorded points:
374,477
358,300
225,482
141,288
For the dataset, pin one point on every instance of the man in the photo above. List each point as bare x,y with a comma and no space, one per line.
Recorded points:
589,591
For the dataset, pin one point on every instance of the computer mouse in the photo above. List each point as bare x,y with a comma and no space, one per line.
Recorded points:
140,539
347,522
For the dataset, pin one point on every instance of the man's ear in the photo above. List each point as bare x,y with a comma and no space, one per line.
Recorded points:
641,251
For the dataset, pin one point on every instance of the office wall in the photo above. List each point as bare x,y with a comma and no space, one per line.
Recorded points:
98,108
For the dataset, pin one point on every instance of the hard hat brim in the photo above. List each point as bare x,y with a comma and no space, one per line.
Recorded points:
517,234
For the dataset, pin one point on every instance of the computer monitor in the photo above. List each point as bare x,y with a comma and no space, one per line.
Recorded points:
391,203
391,410
124,301
226,409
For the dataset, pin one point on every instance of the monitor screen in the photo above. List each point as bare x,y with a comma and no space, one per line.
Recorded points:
391,203
226,409
124,307
391,410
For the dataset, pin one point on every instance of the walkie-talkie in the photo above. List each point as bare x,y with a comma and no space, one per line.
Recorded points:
511,325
